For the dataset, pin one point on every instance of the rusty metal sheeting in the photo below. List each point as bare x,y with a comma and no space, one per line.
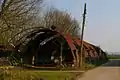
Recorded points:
70,41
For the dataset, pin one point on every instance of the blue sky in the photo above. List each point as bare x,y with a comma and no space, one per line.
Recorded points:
102,24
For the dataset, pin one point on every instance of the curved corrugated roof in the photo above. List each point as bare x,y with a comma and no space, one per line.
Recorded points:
89,47
70,41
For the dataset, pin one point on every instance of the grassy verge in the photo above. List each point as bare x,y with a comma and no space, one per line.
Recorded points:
20,74
113,57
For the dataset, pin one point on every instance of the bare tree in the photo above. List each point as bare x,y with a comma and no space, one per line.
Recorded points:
17,15
62,20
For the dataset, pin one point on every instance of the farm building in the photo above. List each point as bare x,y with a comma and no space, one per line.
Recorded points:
48,47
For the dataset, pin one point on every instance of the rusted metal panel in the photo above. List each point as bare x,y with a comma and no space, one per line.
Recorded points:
78,41
70,41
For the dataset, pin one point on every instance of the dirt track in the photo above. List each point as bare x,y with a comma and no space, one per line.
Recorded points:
109,71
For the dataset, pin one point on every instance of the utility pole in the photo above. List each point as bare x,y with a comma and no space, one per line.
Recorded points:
81,48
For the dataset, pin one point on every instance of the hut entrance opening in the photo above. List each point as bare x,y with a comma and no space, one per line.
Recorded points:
47,48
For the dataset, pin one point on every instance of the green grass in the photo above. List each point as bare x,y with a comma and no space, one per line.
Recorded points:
113,57
17,74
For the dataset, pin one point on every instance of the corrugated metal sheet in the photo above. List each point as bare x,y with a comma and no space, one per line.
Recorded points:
78,41
70,41
91,53
90,47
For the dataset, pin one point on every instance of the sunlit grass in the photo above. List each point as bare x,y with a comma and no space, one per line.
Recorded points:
20,74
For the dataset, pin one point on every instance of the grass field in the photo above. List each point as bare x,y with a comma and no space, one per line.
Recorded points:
20,74
113,57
